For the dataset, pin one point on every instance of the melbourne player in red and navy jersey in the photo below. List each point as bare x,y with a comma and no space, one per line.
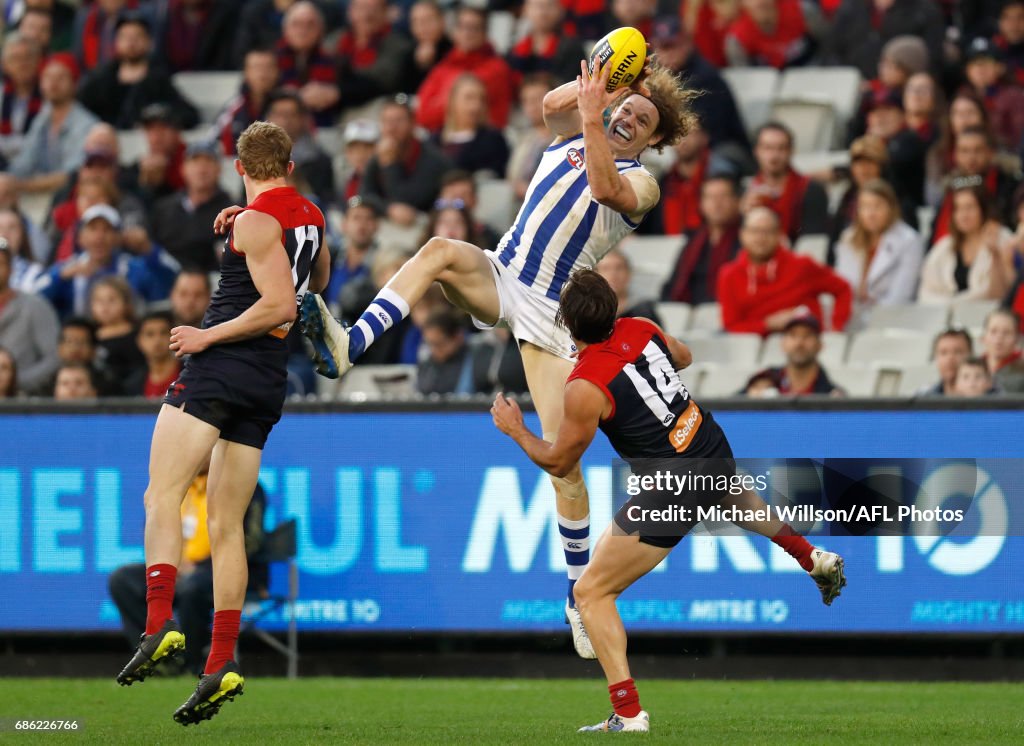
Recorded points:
625,383
228,397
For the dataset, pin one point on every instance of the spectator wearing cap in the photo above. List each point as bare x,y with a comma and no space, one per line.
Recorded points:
802,374
117,91
800,203
709,23
547,46
531,143
986,75
259,79
1000,341
615,268
472,53
715,107
405,172
774,33
53,144
974,161
976,259
196,34
183,222
901,58
20,99
467,139
951,347
158,172
869,159
1010,38
37,25
861,28
458,189
767,285
878,255
358,242
37,240
907,151
148,269
95,32
710,246
372,56
314,170
304,65
28,329
430,41
360,137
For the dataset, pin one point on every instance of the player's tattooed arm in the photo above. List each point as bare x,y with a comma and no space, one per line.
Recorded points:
585,405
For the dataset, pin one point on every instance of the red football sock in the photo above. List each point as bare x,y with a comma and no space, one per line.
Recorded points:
795,545
625,698
222,642
159,595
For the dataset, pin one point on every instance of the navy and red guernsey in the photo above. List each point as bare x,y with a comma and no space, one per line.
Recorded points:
302,234
653,415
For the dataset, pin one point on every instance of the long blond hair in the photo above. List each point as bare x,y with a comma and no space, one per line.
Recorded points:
857,235
449,115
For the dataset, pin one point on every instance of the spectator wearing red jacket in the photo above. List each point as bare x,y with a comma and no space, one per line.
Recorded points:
304,65
767,286
709,22
546,48
800,203
95,28
372,56
772,33
679,208
472,53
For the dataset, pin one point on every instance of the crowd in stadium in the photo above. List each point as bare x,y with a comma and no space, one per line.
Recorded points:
400,112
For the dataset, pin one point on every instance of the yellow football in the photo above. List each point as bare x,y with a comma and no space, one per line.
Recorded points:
625,50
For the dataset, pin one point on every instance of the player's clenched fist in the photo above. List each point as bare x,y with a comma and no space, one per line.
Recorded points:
506,414
187,340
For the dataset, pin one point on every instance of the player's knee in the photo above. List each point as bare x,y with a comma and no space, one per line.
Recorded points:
223,529
585,592
438,252
571,486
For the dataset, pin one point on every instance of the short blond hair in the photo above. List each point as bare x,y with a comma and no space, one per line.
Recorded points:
265,151
670,97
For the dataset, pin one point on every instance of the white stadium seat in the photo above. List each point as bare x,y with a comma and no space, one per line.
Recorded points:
723,380
833,348
855,380
377,382
820,160
911,317
972,312
837,86
209,91
706,316
754,90
814,245
501,28
36,205
877,347
495,203
654,254
675,317
727,349
131,145
813,123
913,378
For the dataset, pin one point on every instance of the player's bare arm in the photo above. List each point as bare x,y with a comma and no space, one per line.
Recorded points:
585,405
607,185
560,112
258,236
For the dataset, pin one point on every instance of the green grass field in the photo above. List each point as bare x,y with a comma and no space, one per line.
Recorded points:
481,711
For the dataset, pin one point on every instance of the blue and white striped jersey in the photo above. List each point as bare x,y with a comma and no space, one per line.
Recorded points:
560,227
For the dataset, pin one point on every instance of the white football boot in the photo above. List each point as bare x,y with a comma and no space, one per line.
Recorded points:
618,724
828,574
328,337
580,638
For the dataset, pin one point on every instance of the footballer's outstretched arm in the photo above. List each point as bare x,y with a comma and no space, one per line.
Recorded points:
560,112
585,404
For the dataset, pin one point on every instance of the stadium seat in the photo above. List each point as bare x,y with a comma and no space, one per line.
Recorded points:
814,245
727,349
131,144
925,219
971,312
754,90
280,545
401,237
654,254
501,29
878,347
375,382
209,91
36,205
230,181
675,317
855,380
707,316
913,378
911,317
833,348
329,138
813,123
718,381
495,203
820,160
838,87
